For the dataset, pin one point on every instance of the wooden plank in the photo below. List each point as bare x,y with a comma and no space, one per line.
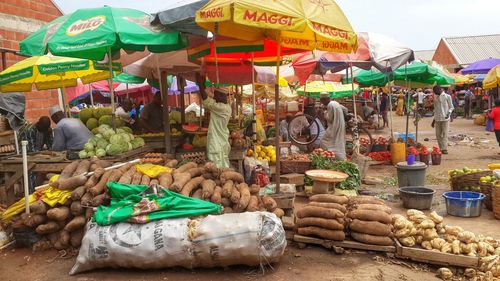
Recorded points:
294,178
344,244
422,255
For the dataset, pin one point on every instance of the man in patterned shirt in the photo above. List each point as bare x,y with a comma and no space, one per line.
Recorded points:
39,135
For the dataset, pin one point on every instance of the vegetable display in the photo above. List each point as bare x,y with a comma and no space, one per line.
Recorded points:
325,163
382,156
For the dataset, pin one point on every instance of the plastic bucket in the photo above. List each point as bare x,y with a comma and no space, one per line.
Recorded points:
398,152
463,203
410,159
416,197
436,159
425,158
411,175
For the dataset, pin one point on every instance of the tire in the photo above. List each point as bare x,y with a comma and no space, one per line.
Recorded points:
306,138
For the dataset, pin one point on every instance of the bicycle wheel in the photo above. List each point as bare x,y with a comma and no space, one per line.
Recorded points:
303,129
365,141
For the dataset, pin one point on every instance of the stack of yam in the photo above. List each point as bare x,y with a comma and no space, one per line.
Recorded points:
323,217
369,220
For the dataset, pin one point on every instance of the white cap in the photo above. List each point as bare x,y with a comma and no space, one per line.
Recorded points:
324,95
53,110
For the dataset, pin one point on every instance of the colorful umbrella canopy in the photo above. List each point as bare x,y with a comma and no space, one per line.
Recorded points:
180,16
384,53
126,78
336,90
50,72
492,79
481,66
93,33
299,24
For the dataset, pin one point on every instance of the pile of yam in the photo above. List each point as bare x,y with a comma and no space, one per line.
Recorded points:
369,220
323,217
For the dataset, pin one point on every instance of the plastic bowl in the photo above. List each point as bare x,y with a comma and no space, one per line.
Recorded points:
464,204
416,197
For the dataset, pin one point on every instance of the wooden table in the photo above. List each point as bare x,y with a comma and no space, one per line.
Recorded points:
238,154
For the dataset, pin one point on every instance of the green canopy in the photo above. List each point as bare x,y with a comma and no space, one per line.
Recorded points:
129,202
128,79
92,33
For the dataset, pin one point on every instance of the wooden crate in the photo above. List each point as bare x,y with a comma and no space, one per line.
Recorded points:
349,244
284,200
294,178
422,255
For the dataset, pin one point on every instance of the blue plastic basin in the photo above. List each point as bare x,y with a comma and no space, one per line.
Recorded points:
463,203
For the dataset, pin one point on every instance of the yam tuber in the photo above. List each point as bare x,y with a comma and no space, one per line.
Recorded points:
58,214
216,196
211,167
208,187
70,183
136,178
75,224
89,212
34,220
335,235
319,212
82,168
225,202
253,204
196,172
370,227
49,227
357,200
180,179
269,203
244,196
375,207
254,189
101,199
64,238
68,171
235,196
191,185
39,207
77,194
76,238
227,210
102,163
145,180
86,199
101,185
126,178
94,178
320,222
329,206
154,182
208,176
372,239
231,175
329,198
115,175
227,188
165,180
186,167
370,215
171,163
279,212
76,208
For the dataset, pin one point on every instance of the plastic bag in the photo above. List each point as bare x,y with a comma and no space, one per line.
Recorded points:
251,238
152,170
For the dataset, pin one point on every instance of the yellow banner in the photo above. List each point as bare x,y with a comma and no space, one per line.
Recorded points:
213,14
266,19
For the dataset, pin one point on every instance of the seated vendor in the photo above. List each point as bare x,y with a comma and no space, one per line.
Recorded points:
69,133
123,111
151,118
39,135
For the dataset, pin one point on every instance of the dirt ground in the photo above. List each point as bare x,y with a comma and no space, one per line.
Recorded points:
311,263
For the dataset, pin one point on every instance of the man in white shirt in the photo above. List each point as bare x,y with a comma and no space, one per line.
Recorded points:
123,111
420,97
443,107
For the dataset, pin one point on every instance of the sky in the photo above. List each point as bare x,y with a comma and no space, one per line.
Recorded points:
419,24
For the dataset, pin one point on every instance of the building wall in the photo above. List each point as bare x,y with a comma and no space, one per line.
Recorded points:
444,56
19,18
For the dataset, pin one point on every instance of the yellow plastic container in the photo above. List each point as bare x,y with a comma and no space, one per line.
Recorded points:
398,152
494,166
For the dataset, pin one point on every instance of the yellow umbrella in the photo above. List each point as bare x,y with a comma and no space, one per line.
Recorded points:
50,72
300,24
492,79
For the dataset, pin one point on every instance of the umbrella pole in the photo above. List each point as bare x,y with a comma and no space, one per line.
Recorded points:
126,90
25,176
111,90
277,116
215,56
91,95
408,115
254,116
356,135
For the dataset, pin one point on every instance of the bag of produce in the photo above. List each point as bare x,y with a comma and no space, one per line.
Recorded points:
251,238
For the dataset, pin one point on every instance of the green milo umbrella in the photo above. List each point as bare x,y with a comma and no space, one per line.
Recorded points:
95,33
128,79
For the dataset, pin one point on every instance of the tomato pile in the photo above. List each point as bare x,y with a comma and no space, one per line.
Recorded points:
436,150
382,141
364,141
324,153
380,156
424,150
413,150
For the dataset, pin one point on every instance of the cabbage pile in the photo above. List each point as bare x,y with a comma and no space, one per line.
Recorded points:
94,117
111,143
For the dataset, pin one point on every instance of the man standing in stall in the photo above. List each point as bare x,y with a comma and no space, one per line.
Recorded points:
443,107
334,137
218,146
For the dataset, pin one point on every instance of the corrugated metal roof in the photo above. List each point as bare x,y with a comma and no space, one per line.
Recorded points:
469,49
424,55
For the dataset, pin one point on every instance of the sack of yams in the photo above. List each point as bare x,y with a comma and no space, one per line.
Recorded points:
369,221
